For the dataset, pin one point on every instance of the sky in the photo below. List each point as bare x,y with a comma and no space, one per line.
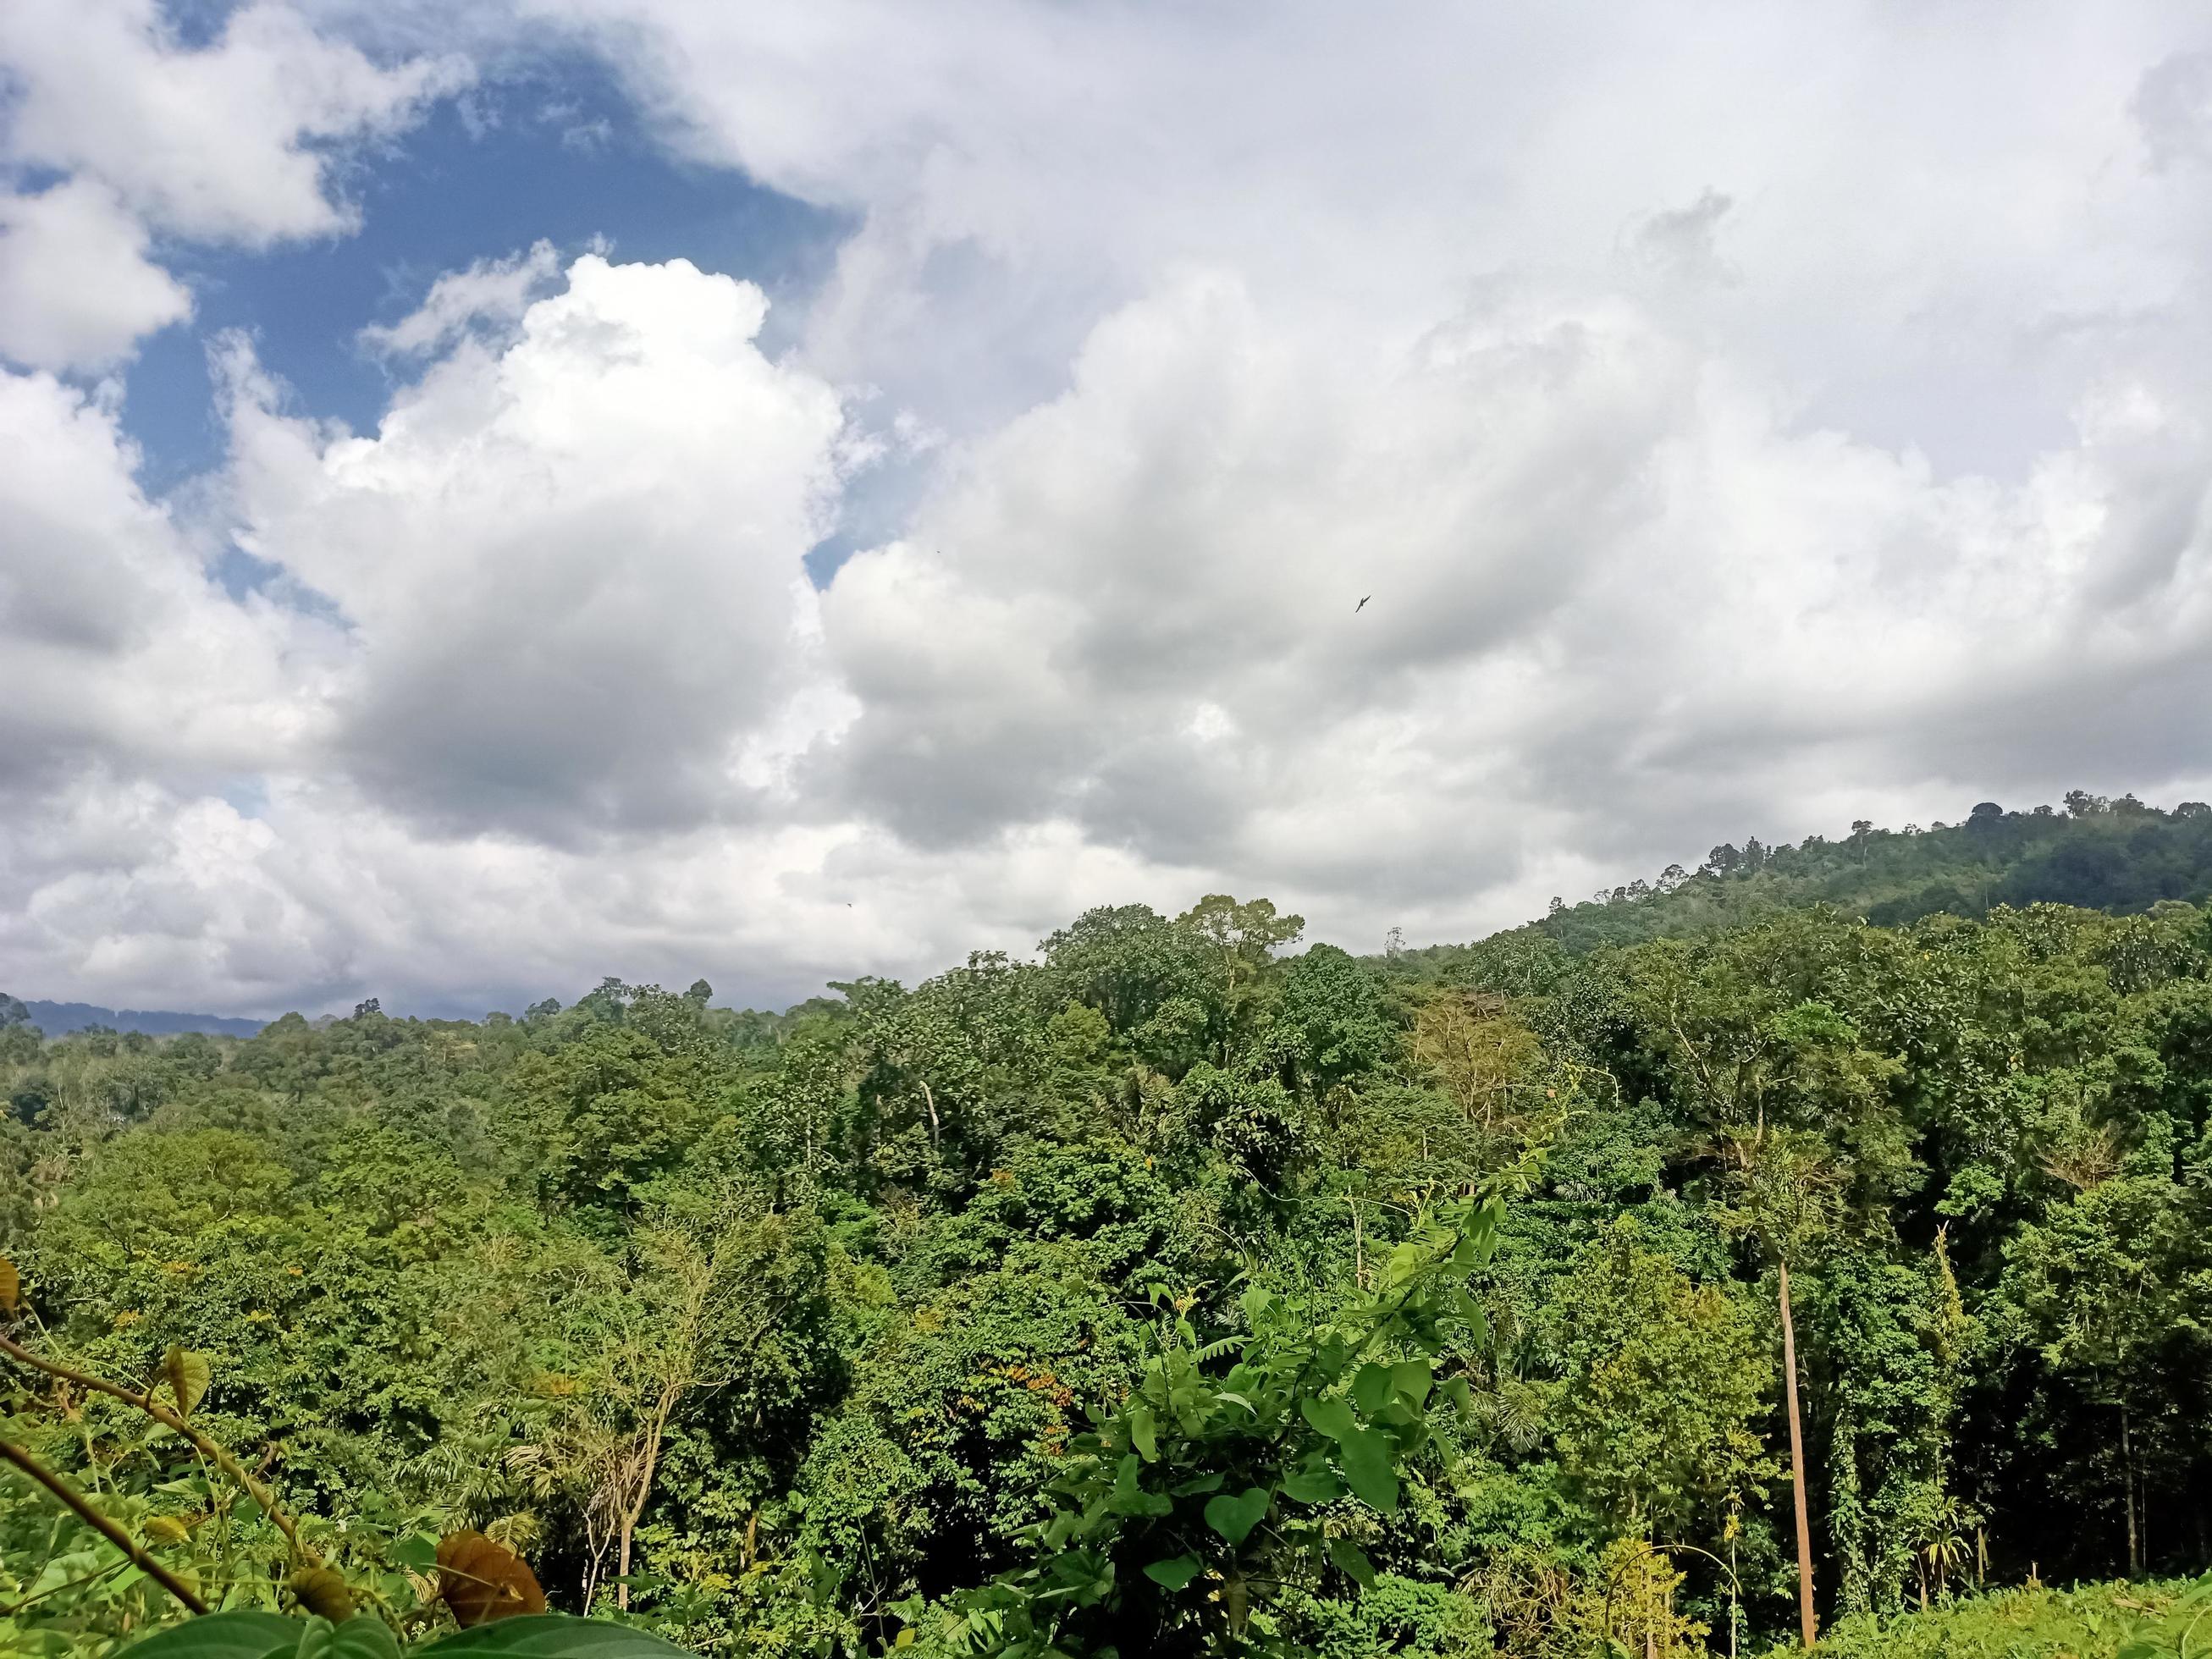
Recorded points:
499,493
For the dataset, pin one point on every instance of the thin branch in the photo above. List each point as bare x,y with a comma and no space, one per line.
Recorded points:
108,1571
160,1414
74,1501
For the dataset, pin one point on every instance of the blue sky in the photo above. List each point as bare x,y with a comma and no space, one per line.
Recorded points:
555,153
927,488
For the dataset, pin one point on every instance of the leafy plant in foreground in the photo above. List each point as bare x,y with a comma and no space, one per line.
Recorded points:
489,1592
1240,1467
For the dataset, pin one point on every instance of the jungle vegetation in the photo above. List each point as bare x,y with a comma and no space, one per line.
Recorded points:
1180,1290
2099,853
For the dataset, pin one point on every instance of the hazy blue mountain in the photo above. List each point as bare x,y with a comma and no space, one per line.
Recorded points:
55,1017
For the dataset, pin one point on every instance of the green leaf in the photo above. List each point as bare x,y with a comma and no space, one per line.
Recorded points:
1315,1486
1471,1315
1234,1517
1412,1379
362,1636
1366,1457
187,1374
1370,1387
420,1552
1210,1481
1143,1433
1331,1417
554,1636
238,1635
1352,1561
1174,1573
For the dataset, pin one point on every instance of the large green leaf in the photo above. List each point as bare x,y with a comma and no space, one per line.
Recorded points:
1331,1417
1234,1517
1353,1560
1314,1485
1372,1386
554,1636
356,1638
240,1635
187,1374
361,1636
1174,1572
1367,1470
1143,1433
1411,1380
419,1551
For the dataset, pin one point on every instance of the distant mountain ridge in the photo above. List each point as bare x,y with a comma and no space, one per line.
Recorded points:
2096,853
57,1018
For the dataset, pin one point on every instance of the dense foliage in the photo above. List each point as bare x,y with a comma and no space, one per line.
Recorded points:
2117,855
1180,1290
2121,1621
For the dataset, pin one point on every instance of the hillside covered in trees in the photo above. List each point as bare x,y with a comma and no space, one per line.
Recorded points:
1182,1291
2117,855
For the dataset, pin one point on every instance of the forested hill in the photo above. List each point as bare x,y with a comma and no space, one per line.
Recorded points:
2119,856
1225,1281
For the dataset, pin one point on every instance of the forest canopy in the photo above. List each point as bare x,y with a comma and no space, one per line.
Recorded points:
1257,1295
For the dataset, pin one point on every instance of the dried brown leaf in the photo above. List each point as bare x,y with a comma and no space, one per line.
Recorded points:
480,1580
11,1286
322,1591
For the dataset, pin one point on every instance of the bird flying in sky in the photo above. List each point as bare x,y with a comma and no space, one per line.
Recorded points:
1362,605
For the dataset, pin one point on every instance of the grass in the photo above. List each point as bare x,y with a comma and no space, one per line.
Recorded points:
2120,1620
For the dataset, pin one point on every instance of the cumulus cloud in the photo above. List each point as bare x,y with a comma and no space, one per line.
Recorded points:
1617,603
121,655
1908,195
571,561
1745,422
490,292
230,142
219,143
76,288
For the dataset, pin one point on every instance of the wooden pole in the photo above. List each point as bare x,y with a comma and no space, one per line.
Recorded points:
1798,1465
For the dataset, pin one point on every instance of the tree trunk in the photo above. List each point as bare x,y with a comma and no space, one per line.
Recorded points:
1798,1464
2128,1495
634,1511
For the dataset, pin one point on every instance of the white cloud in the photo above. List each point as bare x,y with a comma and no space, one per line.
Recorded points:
1619,605
1744,421
571,561
219,143
1910,191
76,286
230,141
490,291
119,654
